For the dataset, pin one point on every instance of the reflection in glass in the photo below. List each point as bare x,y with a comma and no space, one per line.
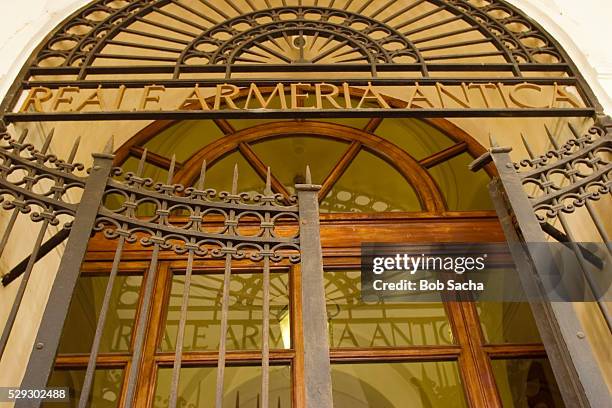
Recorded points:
526,383
507,322
217,175
416,137
289,156
105,391
84,311
242,387
371,185
180,139
353,323
397,385
203,324
463,190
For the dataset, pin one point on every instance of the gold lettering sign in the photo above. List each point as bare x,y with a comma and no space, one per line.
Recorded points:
301,96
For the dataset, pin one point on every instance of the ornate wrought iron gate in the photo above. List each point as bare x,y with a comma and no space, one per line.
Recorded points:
528,218
35,182
105,39
482,46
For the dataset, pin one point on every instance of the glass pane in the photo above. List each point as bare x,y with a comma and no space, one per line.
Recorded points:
507,322
416,137
202,329
289,156
371,185
240,124
397,385
219,176
526,383
463,189
242,387
353,323
184,139
105,391
84,311
148,170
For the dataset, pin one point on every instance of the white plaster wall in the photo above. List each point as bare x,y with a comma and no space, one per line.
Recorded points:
582,28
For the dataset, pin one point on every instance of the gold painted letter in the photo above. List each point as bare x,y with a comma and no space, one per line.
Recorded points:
146,95
514,97
371,93
298,99
329,96
226,92
254,90
560,95
94,99
34,100
194,100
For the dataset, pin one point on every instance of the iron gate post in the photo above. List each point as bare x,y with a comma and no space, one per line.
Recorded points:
47,340
573,361
317,367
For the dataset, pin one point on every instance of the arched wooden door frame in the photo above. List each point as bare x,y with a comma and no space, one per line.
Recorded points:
414,171
425,187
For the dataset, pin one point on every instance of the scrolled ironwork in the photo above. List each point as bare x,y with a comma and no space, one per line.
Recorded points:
194,222
35,181
74,41
517,35
218,37
569,175
201,219
307,22
211,223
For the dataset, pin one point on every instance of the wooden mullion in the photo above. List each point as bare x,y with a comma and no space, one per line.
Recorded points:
261,169
109,361
153,158
468,367
297,338
225,126
103,360
124,385
429,194
373,125
417,353
477,357
444,155
103,268
146,384
339,169
515,350
208,357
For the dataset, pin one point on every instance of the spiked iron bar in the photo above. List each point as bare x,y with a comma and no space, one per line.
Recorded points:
92,215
